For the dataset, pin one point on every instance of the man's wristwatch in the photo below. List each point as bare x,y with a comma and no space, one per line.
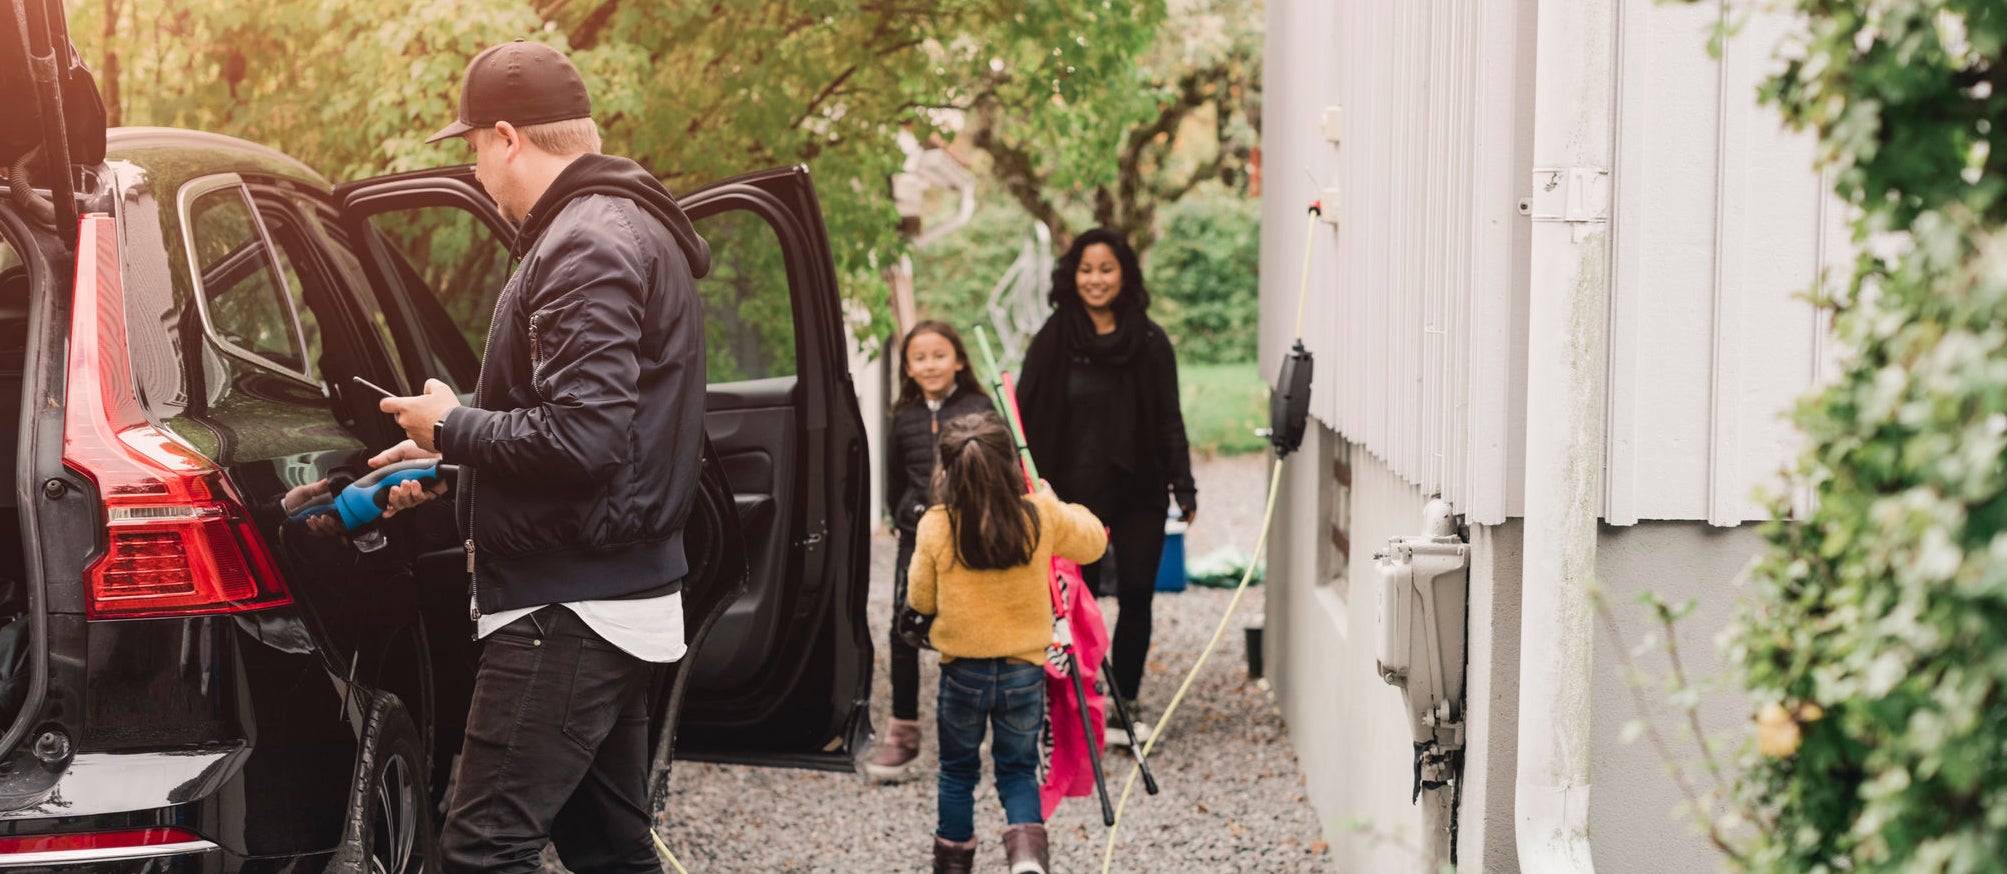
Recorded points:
439,434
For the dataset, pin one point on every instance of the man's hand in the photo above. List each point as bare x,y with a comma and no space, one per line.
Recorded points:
326,524
408,494
419,415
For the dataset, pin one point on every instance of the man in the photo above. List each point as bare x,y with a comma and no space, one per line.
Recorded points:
579,461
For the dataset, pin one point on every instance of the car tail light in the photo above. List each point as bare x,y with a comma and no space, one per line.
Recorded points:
178,540
119,840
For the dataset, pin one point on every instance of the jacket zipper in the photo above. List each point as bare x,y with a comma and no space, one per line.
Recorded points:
536,359
487,348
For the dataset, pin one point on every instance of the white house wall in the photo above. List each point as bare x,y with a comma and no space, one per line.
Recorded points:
1720,226
1412,287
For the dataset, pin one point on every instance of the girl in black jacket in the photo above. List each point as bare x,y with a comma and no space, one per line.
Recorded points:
938,386
1100,401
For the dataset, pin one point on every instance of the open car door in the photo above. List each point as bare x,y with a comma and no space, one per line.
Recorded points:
779,669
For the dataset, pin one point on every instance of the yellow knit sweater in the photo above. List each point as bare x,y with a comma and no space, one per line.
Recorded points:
1001,613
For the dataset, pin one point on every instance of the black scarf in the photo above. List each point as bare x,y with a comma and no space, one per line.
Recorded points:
1114,349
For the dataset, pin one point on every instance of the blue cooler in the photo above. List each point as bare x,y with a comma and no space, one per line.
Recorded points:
1171,567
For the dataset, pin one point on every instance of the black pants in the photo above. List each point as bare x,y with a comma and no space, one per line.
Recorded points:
905,658
556,751
1135,523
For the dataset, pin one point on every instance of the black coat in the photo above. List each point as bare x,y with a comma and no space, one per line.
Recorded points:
1162,460
581,453
910,454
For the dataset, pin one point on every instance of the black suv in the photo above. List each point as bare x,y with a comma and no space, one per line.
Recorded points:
192,680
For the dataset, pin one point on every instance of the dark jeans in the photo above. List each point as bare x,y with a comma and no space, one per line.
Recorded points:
976,693
905,658
556,751
1136,542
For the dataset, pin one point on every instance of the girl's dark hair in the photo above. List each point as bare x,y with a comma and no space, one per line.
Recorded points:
965,379
994,526
1066,291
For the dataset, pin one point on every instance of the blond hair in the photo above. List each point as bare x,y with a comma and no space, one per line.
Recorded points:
569,137
573,136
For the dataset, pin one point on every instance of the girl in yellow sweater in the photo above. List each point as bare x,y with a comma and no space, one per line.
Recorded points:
979,568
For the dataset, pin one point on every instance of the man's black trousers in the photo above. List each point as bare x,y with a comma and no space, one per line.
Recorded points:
556,751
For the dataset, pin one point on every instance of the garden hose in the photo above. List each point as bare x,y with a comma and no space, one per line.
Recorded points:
1261,543
663,848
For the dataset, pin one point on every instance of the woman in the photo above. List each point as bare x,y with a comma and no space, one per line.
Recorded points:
1101,413
938,385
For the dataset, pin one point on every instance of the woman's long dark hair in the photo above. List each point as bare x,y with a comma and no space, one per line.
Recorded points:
1066,290
965,379
994,527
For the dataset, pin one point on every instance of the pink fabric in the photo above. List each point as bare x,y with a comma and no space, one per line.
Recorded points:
1069,769
1070,774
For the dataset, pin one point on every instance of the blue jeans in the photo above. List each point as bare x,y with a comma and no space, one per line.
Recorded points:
976,693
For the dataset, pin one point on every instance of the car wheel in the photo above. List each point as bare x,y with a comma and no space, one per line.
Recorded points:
389,828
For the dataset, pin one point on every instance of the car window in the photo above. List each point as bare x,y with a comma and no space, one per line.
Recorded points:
288,247
456,266
748,314
245,299
334,242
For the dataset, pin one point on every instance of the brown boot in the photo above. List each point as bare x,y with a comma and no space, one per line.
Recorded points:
896,754
954,858
1024,846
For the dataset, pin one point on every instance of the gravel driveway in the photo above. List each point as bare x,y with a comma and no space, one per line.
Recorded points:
1232,796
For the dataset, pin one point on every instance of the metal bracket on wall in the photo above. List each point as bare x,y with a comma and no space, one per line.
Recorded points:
1577,195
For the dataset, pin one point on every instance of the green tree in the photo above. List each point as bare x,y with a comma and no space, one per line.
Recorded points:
697,91
1873,642
1176,106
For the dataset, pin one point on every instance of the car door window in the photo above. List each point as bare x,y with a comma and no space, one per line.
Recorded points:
748,314
455,266
334,242
243,293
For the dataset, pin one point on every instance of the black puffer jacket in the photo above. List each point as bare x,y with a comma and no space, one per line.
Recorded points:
910,455
581,452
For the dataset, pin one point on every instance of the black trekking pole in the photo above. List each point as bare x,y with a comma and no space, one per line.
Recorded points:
1087,729
1129,725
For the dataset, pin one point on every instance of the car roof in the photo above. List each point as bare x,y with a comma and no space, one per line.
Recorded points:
173,156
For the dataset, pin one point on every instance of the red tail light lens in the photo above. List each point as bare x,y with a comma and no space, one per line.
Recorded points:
178,539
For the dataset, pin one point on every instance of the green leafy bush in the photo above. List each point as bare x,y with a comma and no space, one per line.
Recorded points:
1204,270
1874,643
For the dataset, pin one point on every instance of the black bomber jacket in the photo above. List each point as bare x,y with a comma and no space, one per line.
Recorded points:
580,453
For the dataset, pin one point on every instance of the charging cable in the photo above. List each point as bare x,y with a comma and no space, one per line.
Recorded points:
663,848
1261,544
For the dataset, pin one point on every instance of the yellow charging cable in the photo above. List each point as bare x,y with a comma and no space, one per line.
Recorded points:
1128,786
1260,544
663,848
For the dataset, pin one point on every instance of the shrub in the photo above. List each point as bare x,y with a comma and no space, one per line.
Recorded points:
1204,271
1873,645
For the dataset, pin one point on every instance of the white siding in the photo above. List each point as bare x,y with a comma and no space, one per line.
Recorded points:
1411,293
1721,225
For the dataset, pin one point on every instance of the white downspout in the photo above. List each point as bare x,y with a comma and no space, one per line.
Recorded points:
1567,346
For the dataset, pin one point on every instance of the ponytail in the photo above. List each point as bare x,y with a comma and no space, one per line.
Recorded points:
993,526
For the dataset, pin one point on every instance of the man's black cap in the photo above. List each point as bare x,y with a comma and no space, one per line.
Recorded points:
522,83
